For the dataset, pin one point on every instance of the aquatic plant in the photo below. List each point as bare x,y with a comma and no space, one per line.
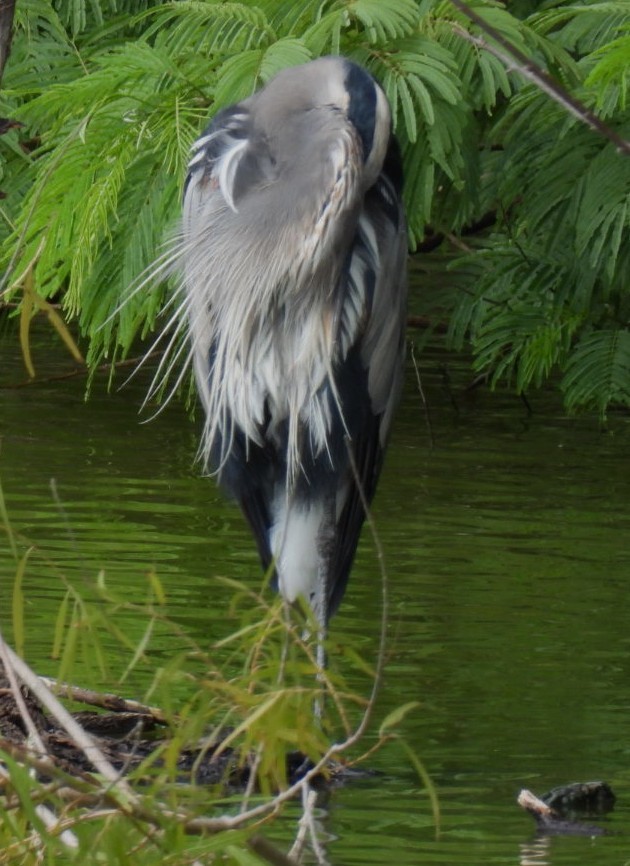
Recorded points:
223,742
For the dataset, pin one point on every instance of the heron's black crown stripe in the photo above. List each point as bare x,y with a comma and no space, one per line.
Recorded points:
362,107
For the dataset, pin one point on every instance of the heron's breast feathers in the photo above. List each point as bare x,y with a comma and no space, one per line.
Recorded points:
270,379
281,266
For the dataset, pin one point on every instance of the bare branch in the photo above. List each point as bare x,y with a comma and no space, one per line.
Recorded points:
7,11
105,700
515,61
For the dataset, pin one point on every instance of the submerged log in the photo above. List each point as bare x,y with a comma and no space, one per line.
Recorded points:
551,821
581,798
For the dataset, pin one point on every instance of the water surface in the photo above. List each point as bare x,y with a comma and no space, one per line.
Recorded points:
506,539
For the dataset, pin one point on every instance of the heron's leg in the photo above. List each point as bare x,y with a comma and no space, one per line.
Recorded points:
319,599
320,658
286,616
316,638
320,603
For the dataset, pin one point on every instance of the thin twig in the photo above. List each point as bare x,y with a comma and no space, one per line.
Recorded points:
18,697
79,371
311,821
307,828
299,843
251,779
53,824
458,242
427,414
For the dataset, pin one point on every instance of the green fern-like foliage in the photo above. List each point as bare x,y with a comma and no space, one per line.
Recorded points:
598,371
113,92
551,287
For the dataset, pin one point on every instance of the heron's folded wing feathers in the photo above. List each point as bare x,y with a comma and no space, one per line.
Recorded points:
373,363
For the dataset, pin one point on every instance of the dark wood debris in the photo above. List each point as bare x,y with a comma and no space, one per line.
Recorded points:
559,812
126,738
581,799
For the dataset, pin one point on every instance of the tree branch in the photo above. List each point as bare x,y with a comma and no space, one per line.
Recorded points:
7,11
514,60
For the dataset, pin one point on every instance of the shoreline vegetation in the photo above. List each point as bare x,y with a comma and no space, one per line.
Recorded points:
239,746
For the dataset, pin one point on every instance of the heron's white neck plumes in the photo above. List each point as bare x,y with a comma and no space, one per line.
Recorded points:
263,338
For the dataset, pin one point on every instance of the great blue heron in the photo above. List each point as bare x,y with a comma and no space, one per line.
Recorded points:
293,254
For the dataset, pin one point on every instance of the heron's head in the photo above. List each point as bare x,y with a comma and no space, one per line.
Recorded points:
303,107
281,178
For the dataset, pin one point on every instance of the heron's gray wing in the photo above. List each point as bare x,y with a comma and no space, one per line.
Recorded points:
369,380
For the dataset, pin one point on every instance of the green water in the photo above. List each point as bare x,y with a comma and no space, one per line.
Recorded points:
506,538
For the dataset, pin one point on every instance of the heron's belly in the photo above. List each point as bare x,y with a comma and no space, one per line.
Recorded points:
294,542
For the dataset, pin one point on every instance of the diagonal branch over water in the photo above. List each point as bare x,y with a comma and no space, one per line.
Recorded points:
514,60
